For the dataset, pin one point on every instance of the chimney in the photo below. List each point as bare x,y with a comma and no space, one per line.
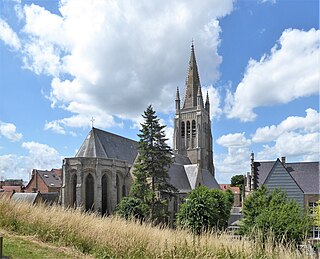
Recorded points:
283,160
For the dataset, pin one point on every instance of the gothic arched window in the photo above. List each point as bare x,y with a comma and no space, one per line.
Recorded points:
194,129
104,182
188,129
74,190
183,129
89,192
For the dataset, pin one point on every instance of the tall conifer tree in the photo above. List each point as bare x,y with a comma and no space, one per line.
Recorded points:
151,166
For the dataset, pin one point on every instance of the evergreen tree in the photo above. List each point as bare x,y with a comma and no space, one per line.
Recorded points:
151,166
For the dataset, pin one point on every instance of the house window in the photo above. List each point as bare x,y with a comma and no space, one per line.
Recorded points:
312,206
315,232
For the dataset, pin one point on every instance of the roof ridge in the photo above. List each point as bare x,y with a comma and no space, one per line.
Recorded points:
110,133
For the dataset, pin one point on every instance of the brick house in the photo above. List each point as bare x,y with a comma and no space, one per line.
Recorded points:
44,181
236,192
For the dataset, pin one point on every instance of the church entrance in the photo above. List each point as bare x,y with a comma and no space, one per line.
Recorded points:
104,195
89,192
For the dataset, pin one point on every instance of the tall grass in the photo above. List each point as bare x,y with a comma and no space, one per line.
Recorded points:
113,237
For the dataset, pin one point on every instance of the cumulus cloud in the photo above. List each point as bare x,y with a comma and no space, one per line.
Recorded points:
9,131
294,137
289,72
234,140
8,36
310,124
236,160
40,156
110,59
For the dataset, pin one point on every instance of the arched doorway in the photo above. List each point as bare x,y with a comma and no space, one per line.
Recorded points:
74,191
89,192
104,194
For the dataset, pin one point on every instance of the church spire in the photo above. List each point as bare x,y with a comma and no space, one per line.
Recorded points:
207,105
192,82
177,101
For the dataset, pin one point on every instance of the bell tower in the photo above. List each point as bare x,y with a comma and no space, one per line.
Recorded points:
192,124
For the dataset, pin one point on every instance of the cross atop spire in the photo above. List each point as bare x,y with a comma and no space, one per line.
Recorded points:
92,121
192,82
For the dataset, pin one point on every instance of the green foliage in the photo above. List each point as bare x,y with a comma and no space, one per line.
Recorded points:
151,167
238,180
131,207
267,213
317,214
205,210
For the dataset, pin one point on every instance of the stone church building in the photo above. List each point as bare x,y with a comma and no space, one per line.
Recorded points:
100,173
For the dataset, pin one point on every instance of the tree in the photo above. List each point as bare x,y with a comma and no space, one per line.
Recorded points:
265,213
131,207
238,180
205,210
150,171
317,214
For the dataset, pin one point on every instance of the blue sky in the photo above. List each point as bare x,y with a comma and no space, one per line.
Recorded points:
63,62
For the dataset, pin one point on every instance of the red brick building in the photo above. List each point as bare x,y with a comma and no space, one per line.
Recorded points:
236,193
44,181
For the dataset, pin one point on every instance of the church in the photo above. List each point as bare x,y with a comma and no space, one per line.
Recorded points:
100,173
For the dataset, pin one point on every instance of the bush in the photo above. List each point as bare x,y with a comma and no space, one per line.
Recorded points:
205,210
131,207
267,213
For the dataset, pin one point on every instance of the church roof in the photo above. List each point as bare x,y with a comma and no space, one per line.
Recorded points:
305,174
209,180
104,144
192,83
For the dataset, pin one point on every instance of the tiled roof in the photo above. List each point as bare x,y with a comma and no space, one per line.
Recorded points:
306,174
234,189
50,178
104,144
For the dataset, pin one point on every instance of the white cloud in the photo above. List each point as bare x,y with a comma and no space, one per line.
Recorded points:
236,160
234,140
293,145
9,131
115,57
8,36
290,71
295,137
310,124
40,156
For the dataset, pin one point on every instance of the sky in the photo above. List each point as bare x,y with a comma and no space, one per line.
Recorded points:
65,62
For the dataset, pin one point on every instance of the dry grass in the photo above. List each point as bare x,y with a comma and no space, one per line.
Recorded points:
116,238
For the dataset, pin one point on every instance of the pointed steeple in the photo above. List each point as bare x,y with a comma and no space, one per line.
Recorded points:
177,101
199,98
207,105
192,82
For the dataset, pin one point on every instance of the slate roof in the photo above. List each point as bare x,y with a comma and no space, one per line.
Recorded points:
209,180
50,178
178,178
25,197
306,174
104,144
50,197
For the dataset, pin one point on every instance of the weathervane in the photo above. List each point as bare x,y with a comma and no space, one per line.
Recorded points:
92,121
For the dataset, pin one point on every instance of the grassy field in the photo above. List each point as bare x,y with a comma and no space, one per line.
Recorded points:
28,247
115,238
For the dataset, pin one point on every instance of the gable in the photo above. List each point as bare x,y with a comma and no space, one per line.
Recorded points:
280,178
